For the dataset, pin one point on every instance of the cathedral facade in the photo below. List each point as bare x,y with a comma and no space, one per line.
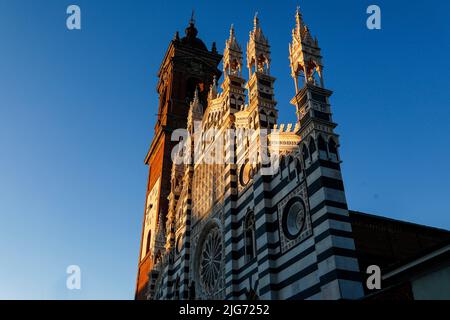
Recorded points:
239,206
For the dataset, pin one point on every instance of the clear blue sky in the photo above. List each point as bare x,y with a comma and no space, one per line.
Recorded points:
77,111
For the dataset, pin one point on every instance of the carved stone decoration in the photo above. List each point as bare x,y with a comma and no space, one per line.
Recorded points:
294,218
159,289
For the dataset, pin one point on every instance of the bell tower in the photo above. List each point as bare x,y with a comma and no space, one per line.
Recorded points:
187,65
337,265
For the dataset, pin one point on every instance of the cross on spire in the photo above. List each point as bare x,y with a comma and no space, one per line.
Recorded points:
192,20
298,17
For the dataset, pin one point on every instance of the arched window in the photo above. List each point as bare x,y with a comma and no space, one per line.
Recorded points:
323,152
291,167
233,102
149,239
162,102
298,166
312,147
250,236
332,148
282,164
305,153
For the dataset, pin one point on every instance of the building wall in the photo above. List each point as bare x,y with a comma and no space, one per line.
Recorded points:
434,285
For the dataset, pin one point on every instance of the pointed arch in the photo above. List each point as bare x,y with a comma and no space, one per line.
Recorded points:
291,167
332,146
312,146
333,149
298,167
282,164
323,150
305,153
322,144
250,236
148,241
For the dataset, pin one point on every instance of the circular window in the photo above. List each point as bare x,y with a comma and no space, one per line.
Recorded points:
210,266
246,174
294,218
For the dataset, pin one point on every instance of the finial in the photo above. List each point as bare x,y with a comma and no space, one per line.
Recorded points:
214,84
213,89
196,95
256,21
177,36
232,31
214,47
298,17
191,31
192,21
196,106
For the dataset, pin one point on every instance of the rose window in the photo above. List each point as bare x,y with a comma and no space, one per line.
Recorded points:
294,218
210,267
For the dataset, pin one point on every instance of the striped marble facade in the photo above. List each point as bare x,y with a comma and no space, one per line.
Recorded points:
244,229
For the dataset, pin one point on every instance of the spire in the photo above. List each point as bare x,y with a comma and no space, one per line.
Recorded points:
213,89
195,111
256,22
192,21
301,30
232,57
304,54
257,34
195,100
196,106
231,43
298,18
258,50
232,36
177,36
191,31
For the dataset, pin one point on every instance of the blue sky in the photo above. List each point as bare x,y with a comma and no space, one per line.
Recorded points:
77,111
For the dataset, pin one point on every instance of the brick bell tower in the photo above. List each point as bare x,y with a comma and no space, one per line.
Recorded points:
187,65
